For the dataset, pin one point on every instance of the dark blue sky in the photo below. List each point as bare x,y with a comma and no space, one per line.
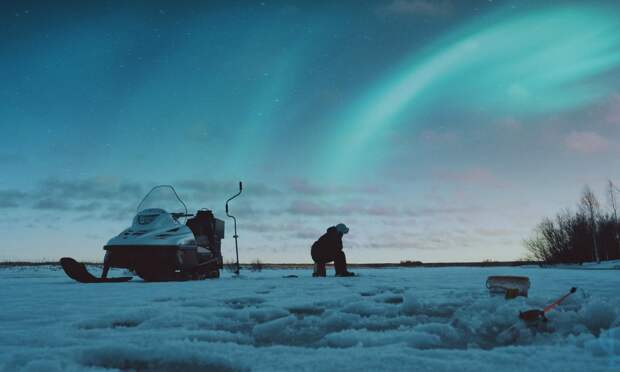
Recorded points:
438,130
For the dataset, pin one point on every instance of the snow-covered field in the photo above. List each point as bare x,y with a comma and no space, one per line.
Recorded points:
428,319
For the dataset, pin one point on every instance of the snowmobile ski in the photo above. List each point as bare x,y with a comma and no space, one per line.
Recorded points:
78,272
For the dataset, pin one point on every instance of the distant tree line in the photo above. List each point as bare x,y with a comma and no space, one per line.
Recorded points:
591,233
411,263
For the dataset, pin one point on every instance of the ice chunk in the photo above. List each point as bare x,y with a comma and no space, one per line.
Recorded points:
411,304
598,315
607,345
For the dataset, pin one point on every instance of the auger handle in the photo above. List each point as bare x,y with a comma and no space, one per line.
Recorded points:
560,300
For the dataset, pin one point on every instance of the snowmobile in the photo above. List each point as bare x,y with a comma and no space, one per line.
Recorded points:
163,243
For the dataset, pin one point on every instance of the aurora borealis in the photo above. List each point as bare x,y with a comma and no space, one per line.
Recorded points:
532,62
437,130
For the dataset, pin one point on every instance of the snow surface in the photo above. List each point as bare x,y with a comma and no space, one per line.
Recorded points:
428,319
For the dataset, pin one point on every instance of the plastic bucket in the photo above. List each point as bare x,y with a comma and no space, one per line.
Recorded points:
509,286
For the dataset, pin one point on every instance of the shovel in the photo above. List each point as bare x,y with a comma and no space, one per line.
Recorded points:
536,314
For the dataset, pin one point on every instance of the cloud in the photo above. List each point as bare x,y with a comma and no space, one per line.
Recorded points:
118,212
418,8
364,208
114,199
52,204
414,242
88,207
613,112
510,124
487,232
97,188
306,235
259,227
471,176
84,195
202,188
304,187
301,186
310,208
431,212
588,142
247,210
11,198
73,195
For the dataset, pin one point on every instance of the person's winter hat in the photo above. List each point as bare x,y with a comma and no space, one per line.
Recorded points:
342,228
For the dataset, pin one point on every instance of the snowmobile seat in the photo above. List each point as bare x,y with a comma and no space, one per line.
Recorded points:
203,226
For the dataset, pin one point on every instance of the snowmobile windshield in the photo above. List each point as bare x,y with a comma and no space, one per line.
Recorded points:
163,197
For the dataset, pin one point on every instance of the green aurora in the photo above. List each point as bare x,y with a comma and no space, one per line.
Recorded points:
537,62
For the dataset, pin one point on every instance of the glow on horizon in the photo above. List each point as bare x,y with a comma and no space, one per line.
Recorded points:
543,61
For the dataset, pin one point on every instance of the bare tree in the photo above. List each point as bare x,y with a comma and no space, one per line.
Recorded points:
590,206
586,235
611,194
540,246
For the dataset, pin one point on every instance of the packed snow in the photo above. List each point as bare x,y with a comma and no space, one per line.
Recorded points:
429,319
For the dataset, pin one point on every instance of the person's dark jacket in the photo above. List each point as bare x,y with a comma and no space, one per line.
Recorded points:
328,245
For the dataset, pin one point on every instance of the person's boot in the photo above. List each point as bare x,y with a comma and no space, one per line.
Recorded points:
345,273
319,270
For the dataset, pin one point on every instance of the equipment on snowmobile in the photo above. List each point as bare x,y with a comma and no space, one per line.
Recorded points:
510,286
235,224
539,315
158,246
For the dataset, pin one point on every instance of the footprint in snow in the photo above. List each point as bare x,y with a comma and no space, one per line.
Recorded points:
242,302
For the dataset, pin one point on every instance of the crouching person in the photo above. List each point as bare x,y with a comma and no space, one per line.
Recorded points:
329,248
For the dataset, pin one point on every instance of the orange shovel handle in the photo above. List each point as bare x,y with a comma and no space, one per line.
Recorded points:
559,301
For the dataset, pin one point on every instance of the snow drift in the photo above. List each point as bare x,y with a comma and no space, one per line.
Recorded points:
393,319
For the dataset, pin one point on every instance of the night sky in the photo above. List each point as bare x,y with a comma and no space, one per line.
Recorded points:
436,130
